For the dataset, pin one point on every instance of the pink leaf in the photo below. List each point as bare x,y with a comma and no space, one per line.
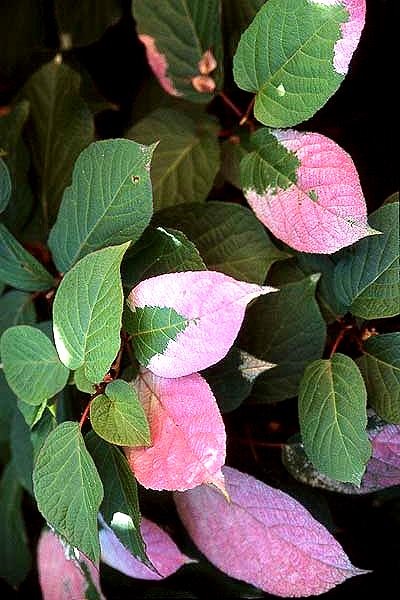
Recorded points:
158,64
324,210
383,468
351,33
160,549
62,575
187,433
263,537
211,308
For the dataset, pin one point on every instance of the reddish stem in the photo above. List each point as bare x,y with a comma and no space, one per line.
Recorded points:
245,119
339,339
85,414
231,105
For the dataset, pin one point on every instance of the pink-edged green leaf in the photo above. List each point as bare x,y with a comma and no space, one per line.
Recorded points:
160,549
64,573
305,189
383,468
182,323
264,537
187,433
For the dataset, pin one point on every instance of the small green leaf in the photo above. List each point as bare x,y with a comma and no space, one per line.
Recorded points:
108,203
289,338
186,160
367,276
159,251
20,269
333,418
32,414
120,506
82,23
16,308
31,365
380,367
15,558
118,416
68,489
229,238
87,313
5,185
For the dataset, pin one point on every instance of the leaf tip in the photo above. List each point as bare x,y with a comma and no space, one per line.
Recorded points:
218,482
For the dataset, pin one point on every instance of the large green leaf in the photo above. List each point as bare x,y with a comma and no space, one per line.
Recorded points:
16,308
118,416
367,277
333,418
68,489
285,329
380,367
82,22
286,58
5,185
31,365
159,251
186,161
15,558
87,313
8,405
228,236
20,269
176,34
120,506
108,203
60,126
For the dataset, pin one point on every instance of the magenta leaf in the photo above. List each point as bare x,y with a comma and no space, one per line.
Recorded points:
264,537
383,468
187,433
160,549
65,573
351,33
182,323
305,189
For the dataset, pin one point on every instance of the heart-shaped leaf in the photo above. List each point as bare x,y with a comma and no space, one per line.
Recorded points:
264,537
295,54
305,189
184,322
187,433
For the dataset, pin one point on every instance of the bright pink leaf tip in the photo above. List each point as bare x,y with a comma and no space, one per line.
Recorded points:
351,33
214,305
60,576
383,468
160,549
264,537
187,433
325,210
158,64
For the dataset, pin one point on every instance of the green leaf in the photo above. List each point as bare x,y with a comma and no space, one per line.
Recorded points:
237,16
8,405
5,185
333,418
118,416
186,160
228,236
120,506
380,367
159,251
68,489
16,308
20,269
60,127
233,150
152,328
182,30
32,414
31,365
22,451
393,198
367,277
108,203
87,313
286,58
15,558
285,329
81,23
82,382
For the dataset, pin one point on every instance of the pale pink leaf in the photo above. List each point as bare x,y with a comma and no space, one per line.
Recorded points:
383,468
158,64
264,537
324,209
160,549
187,433
211,307
64,573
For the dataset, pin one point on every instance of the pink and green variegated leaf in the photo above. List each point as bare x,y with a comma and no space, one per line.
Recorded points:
64,574
305,189
264,537
160,549
187,433
182,323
